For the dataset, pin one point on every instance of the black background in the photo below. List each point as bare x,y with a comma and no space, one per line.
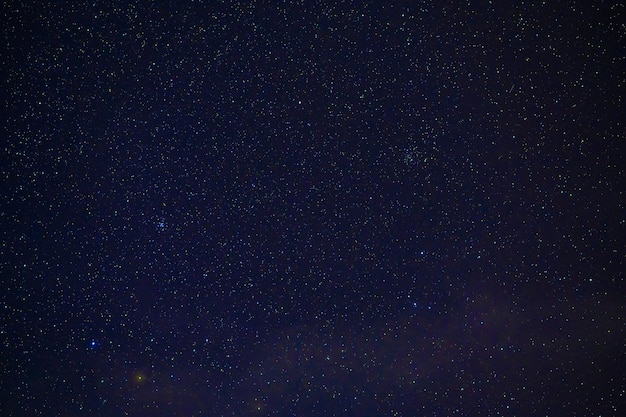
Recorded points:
312,208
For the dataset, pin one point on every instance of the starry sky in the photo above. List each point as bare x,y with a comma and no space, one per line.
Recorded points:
311,208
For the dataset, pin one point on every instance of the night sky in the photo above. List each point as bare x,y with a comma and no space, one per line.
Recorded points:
313,208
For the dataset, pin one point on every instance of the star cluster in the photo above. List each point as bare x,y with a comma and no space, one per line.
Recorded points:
312,208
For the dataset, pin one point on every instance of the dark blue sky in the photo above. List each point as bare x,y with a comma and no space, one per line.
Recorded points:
312,208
